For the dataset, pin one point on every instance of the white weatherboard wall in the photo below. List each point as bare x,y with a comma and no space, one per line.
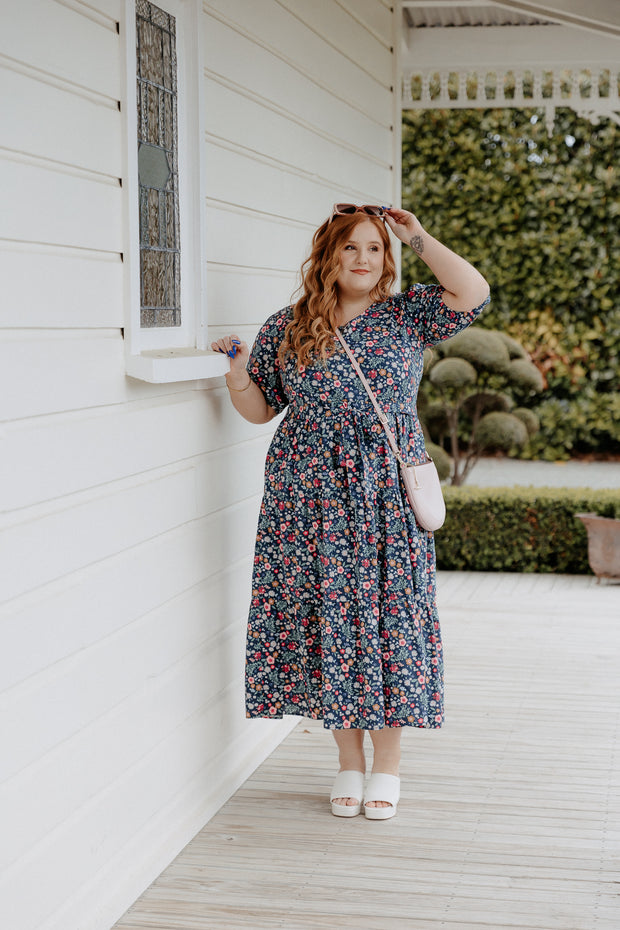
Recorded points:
129,509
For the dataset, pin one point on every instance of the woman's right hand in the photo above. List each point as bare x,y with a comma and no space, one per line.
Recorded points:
245,394
238,354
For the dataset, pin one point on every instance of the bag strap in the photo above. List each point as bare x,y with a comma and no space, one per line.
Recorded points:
380,413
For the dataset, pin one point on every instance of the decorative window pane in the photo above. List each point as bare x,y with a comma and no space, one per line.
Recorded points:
160,251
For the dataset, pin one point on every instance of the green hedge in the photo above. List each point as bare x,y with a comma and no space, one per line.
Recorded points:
519,529
539,217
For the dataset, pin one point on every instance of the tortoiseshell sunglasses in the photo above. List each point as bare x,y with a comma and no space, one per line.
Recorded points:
349,209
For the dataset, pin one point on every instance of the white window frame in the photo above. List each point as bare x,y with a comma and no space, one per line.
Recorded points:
176,353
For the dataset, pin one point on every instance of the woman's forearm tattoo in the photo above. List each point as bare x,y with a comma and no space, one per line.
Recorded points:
417,244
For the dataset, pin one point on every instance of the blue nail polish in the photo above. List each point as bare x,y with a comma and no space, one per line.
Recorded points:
236,342
232,352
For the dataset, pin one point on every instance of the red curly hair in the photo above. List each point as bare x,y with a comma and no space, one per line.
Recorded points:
310,334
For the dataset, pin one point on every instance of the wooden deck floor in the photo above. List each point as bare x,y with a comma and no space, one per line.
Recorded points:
509,814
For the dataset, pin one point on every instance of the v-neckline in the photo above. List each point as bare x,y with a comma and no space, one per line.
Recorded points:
359,315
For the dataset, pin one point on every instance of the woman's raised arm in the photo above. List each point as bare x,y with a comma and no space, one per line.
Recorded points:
465,288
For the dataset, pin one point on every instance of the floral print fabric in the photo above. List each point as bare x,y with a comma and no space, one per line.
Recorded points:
343,622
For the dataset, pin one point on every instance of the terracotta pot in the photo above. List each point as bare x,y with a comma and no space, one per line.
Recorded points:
603,544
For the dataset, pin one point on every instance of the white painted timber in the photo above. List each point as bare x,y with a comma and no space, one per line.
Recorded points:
269,242
52,287
602,16
89,528
64,45
287,140
147,852
256,291
93,526
30,718
106,597
128,806
48,372
347,34
214,659
377,17
129,508
160,366
63,200
506,47
87,450
262,183
234,59
91,136
313,56
107,12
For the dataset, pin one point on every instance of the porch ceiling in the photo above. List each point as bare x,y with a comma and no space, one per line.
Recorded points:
601,16
503,53
422,14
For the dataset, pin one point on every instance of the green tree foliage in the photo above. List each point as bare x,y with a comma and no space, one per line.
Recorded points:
540,218
466,402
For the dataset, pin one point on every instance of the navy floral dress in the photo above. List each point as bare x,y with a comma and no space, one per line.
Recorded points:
343,621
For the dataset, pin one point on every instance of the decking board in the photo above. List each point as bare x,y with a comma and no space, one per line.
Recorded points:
509,816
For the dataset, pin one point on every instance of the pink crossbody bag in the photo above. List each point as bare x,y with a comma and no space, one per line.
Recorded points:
421,481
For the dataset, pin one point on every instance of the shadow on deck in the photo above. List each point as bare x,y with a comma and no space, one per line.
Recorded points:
508,816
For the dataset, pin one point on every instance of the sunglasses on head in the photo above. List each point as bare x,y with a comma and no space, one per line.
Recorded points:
350,209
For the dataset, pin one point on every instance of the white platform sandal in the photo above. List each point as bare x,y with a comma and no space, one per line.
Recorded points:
347,784
382,788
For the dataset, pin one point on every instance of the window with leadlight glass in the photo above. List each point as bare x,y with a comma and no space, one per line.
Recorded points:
160,247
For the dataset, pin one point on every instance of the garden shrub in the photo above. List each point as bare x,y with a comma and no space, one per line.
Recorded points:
539,217
500,432
519,529
453,374
528,418
525,376
470,386
572,428
483,349
442,460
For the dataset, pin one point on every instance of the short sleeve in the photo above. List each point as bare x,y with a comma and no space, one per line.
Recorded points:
264,365
425,310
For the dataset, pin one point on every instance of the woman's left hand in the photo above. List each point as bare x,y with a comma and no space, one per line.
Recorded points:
464,287
406,226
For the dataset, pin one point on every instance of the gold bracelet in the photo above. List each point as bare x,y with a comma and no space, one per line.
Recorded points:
239,390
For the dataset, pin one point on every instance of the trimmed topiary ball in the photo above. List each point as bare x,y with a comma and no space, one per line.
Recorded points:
434,417
528,418
489,401
515,349
442,460
452,374
482,348
472,383
525,375
500,431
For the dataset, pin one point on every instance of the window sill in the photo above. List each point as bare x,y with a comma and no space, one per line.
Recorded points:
163,366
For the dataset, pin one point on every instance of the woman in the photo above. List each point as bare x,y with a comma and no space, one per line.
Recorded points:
343,623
